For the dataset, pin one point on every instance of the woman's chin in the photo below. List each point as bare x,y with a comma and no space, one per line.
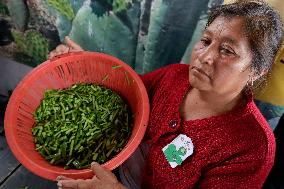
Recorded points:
198,84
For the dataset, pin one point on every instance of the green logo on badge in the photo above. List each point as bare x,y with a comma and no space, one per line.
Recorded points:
174,155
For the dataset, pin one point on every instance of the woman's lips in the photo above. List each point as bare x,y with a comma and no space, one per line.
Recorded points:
200,71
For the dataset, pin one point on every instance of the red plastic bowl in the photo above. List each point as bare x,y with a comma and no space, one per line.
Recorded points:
62,72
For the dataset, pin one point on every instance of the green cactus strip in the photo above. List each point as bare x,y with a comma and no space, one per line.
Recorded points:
81,124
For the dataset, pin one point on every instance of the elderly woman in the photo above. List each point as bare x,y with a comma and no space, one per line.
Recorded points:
210,102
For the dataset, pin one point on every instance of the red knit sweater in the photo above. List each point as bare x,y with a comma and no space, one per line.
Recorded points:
234,150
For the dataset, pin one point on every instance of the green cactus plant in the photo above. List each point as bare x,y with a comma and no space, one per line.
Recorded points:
109,33
63,22
63,6
120,5
112,27
3,9
116,5
198,31
19,13
195,37
76,5
19,39
171,27
33,46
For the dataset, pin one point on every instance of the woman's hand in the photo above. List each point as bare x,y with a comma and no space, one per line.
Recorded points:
69,46
103,179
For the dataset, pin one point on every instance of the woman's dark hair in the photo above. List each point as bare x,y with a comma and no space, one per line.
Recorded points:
263,28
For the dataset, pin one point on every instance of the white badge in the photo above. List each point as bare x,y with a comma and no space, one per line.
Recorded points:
178,150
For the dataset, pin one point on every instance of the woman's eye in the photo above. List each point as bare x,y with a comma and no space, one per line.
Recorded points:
226,51
205,41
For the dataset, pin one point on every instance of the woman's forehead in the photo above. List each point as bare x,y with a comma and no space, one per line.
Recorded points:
229,29
226,25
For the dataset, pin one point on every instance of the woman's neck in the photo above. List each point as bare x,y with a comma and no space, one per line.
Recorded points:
201,104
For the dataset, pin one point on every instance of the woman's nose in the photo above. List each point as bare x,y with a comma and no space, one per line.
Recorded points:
207,56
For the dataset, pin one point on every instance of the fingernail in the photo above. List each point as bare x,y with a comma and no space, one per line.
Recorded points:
58,178
94,163
59,184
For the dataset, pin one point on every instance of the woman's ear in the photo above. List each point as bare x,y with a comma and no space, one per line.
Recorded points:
255,76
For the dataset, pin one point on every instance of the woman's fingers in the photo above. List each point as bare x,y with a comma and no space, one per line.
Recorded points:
52,54
60,177
74,46
60,49
64,184
102,173
103,179
75,184
69,46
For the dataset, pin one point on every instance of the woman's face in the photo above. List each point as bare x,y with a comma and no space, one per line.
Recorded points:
220,61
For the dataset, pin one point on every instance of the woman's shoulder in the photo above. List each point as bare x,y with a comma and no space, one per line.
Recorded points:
252,134
245,130
258,123
250,120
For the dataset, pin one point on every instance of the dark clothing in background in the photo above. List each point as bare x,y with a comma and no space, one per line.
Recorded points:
11,74
276,177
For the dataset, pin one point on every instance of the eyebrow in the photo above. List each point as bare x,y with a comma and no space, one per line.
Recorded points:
225,38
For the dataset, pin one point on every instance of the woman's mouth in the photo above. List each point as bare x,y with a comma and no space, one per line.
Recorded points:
200,71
